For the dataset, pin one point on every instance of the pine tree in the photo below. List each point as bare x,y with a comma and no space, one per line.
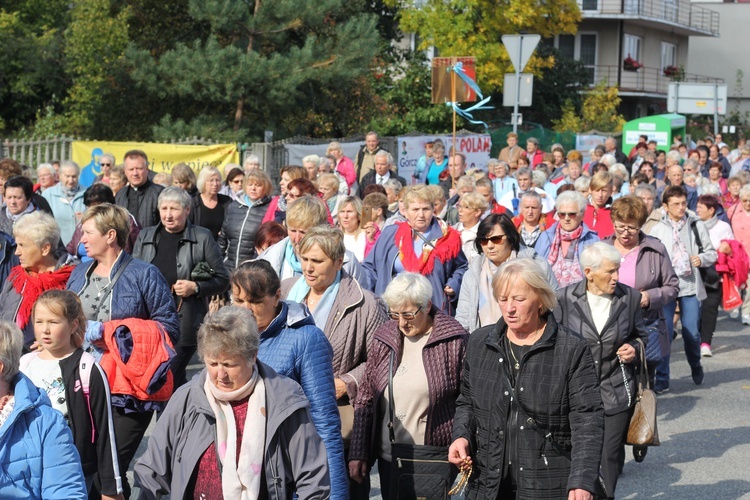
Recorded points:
260,62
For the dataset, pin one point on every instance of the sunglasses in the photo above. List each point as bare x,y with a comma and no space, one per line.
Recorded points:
567,215
105,164
496,240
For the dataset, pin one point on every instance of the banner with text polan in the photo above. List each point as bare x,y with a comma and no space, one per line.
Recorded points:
476,147
161,157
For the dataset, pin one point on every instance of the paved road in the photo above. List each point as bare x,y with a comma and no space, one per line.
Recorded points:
704,431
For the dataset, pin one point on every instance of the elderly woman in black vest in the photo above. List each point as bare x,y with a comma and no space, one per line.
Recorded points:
176,246
608,316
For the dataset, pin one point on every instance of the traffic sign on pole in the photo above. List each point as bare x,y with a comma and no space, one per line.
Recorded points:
525,93
520,48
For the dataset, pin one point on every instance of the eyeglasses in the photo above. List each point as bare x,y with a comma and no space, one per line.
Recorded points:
621,228
408,316
105,164
496,240
567,215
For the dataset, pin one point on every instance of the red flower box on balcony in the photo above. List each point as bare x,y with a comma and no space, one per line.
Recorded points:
671,71
630,64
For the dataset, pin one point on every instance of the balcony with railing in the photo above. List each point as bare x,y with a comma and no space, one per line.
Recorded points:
682,16
644,80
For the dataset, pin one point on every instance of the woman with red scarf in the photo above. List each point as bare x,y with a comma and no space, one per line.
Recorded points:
423,244
37,238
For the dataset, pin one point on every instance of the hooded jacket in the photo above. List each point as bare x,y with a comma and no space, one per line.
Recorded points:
37,455
294,453
294,347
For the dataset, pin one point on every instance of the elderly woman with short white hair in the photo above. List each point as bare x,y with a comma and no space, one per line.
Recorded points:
609,317
47,177
190,260
421,350
562,243
208,204
66,200
238,430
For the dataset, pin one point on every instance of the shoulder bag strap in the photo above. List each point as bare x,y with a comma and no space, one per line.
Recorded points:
642,375
391,404
531,422
117,275
693,226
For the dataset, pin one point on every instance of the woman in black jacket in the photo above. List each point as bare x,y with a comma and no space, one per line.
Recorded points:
175,247
209,206
545,442
242,219
608,316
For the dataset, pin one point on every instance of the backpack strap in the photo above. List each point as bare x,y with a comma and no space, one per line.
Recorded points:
26,360
85,366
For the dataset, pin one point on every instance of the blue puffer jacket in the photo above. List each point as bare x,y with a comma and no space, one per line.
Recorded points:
37,455
293,346
141,292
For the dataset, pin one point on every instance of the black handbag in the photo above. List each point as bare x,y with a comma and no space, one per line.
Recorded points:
202,272
417,471
709,275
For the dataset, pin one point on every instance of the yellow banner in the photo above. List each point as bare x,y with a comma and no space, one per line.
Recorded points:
161,157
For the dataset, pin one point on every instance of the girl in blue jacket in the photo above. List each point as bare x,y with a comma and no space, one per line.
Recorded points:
77,387
37,455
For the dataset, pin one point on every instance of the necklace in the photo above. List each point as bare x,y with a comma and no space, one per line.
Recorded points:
4,400
100,288
517,366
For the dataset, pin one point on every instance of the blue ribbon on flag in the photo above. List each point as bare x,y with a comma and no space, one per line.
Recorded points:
458,68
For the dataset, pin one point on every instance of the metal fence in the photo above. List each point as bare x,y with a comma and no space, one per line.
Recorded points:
675,12
33,152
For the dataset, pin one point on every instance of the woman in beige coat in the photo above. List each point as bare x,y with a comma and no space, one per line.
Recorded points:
347,314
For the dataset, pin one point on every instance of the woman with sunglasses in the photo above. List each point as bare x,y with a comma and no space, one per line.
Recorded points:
497,242
562,243
428,348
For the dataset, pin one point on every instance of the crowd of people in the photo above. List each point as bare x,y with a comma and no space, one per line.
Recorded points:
345,312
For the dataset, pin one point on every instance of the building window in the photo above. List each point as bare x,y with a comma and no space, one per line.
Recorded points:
632,47
668,55
589,4
581,47
566,44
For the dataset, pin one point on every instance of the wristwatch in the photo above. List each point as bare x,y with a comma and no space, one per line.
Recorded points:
197,289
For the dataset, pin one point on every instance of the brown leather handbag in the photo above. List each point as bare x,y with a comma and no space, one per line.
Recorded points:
642,430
